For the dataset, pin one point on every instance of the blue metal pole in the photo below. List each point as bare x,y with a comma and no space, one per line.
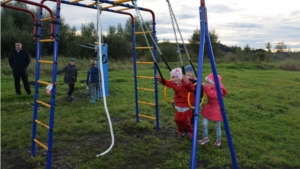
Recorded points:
135,71
155,71
198,89
37,77
54,71
220,98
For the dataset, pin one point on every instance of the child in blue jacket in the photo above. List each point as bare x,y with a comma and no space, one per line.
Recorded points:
93,79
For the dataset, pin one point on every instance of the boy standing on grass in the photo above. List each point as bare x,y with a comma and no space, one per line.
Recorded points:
181,86
212,111
70,77
92,81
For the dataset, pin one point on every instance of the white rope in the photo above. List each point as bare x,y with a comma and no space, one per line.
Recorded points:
102,79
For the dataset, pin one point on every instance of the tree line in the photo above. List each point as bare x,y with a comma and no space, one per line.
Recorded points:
18,26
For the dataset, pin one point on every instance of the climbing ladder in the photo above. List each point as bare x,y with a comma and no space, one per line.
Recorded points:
54,38
142,90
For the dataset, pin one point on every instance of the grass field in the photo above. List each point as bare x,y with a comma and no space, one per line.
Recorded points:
262,108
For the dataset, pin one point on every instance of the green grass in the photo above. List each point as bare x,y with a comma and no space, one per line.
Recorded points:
262,108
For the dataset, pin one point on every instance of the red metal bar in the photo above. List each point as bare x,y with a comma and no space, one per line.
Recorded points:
27,11
202,3
48,9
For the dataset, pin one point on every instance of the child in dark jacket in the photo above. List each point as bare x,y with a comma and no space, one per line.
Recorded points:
92,81
181,86
70,77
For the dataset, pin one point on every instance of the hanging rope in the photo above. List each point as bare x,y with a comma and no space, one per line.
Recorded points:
99,8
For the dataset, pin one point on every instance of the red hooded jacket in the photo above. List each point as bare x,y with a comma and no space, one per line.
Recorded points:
212,110
181,91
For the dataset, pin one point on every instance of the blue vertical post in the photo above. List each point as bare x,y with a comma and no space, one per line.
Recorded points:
105,70
134,70
205,34
155,71
37,77
220,98
54,72
198,90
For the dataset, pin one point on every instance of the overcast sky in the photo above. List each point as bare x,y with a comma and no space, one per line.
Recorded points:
237,22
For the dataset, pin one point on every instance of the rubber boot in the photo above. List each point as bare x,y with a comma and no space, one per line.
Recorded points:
93,99
69,98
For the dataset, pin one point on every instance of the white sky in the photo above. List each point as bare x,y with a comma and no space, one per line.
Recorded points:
237,22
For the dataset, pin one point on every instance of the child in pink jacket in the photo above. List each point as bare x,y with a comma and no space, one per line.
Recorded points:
212,111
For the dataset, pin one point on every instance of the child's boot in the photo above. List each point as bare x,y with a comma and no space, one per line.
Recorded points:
69,98
93,99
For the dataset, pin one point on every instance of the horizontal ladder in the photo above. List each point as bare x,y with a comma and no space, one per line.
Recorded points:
146,63
43,103
41,144
146,103
149,117
146,89
146,47
145,77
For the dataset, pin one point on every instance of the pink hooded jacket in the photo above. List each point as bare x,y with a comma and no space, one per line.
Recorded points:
212,110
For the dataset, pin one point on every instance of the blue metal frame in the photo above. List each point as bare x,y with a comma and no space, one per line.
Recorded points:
205,34
154,52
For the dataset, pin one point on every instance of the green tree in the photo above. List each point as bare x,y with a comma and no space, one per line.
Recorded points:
195,40
280,47
247,49
269,46
16,26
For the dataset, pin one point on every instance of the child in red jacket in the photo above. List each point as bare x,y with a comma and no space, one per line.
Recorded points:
212,111
181,86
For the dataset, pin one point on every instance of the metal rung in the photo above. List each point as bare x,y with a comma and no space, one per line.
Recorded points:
149,117
147,89
148,63
107,7
43,82
41,144
147,103
47,40
123,9
97,43
45,61
6,1
137,48
145,77
42,124
121,1
43,103
92,4
138,33
75,1
46,19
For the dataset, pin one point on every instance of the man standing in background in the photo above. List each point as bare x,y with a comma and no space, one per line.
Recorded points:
19,60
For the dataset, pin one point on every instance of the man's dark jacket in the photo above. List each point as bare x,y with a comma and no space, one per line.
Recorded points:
19,62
